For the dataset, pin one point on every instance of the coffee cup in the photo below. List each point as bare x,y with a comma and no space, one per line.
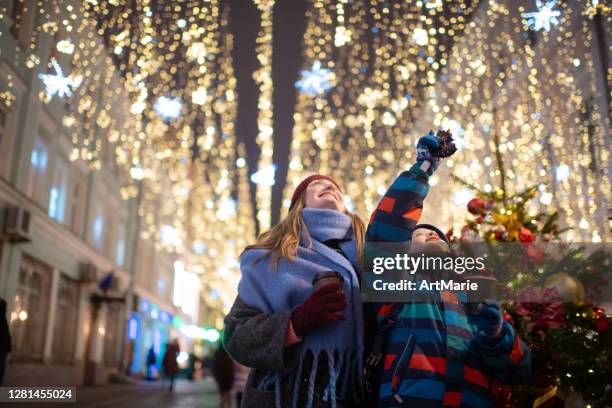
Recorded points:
327,278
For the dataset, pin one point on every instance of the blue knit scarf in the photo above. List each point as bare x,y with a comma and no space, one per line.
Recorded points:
278,290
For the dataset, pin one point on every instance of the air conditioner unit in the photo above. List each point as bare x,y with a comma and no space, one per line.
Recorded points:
17,221
89,273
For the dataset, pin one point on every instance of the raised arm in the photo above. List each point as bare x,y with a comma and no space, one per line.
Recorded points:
399,211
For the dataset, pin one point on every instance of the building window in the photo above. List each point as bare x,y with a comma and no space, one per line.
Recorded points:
59,190
29,317
37,188
2,126
97,227
120,250
66,312
76,205
4,143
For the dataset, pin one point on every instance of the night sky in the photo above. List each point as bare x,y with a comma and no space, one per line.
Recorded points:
289,26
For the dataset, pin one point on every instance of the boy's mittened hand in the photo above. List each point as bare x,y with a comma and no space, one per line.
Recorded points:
489,319
434,147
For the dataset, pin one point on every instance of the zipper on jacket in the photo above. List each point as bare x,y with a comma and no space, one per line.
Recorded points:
395,379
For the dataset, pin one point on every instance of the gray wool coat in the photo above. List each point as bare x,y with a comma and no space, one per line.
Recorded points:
256,339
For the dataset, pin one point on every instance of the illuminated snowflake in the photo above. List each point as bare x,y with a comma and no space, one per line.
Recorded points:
543,17
168,108
58,83
315,81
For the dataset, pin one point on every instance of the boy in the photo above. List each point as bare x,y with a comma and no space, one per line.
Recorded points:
434,354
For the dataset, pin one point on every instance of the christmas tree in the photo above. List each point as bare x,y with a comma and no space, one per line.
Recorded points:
571,341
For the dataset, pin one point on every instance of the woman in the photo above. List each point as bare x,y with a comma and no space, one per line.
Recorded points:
305,346
171,368
223,371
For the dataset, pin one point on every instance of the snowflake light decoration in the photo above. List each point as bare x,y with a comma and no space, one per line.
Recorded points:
168,108
58,83
315,81
543,17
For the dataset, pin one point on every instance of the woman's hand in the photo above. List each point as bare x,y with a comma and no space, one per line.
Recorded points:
320,308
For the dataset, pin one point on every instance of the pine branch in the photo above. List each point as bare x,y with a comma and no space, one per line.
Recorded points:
471,186
498,157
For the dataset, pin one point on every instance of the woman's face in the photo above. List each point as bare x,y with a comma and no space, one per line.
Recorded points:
323,194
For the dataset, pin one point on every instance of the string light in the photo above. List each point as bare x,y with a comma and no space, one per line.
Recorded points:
265,141
473,67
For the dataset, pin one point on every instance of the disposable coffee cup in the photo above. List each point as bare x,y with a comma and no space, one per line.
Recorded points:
327,278
485,291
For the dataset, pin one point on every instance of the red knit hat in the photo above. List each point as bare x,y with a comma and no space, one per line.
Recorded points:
304,184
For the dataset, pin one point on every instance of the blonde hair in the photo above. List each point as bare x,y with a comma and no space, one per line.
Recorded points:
282,240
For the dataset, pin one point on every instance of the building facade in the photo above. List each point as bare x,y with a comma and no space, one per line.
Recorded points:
75,286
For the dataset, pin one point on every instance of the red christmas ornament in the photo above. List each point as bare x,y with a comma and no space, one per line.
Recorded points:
525,235
477,206
499,235
479,219
602,325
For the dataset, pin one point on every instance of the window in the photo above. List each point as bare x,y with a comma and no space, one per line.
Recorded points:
65,330
23,15
97,226
120,250
37,188
59,190
77,205
29,317
2,125
4,143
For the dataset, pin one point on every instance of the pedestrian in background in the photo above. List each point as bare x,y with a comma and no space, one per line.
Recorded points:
241,374
171,368
304,345
191,367
223,371
5,339
151,360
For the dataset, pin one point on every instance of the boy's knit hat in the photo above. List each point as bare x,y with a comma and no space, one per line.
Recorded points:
435,229
304,184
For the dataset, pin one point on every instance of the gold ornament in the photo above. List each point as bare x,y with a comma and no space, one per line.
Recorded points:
568,287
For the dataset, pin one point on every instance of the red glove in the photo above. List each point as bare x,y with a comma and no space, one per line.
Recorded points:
319,309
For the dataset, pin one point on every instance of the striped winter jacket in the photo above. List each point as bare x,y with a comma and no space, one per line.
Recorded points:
433,356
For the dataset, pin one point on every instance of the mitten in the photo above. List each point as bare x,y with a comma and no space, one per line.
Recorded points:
320,308
433,148
488,319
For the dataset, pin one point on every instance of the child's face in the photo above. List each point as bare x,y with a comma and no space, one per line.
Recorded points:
426,240
323,194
